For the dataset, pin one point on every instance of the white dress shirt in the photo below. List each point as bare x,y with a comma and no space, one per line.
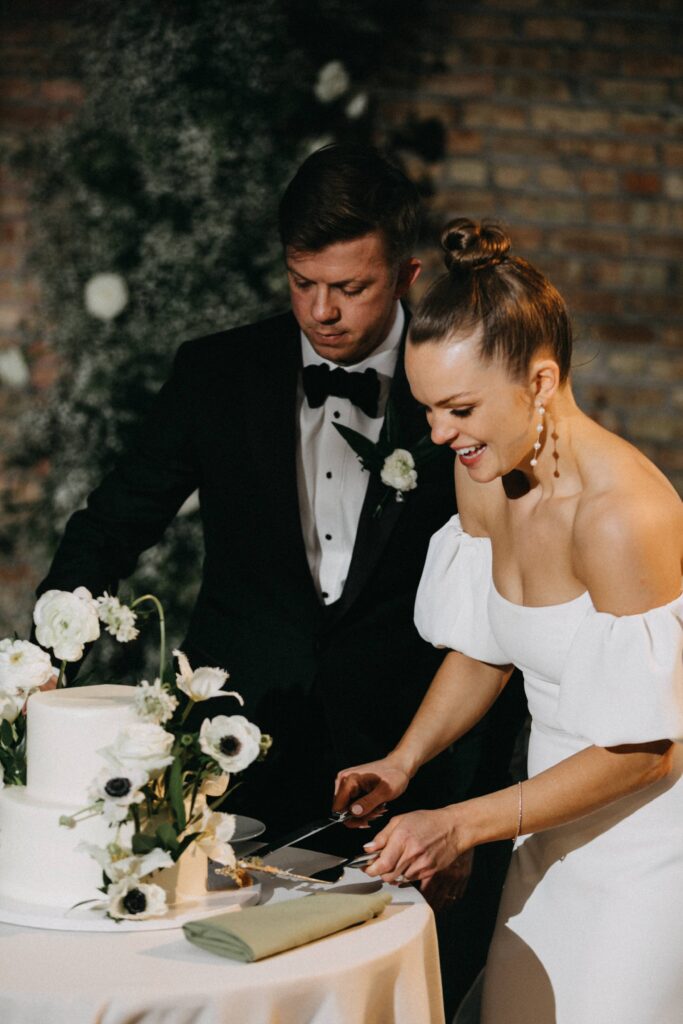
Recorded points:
330,478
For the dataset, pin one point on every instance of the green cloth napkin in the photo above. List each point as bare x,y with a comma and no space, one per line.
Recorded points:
257,932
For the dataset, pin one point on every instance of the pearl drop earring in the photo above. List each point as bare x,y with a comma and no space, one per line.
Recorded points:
539,431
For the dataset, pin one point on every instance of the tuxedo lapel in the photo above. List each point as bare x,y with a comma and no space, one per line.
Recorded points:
374,530
277,364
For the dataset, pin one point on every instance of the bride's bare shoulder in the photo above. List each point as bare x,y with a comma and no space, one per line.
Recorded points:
628,532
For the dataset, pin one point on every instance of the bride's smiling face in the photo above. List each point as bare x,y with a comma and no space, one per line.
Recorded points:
476,407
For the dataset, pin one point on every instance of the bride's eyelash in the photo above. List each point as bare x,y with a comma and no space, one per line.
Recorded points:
462,413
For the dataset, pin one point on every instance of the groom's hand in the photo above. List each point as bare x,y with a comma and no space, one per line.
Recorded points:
366,789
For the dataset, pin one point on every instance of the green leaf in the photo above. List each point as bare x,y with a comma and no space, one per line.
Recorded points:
186,841
6,734
366,450
175,793
142,843
168,837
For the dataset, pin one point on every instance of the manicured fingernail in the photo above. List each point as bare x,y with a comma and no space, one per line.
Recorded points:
357,809
369,846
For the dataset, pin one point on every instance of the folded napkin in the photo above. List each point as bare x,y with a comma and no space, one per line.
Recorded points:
258,932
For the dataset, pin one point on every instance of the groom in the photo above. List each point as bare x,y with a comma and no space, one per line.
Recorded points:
307,595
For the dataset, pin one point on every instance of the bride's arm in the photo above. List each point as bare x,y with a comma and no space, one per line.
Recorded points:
630,563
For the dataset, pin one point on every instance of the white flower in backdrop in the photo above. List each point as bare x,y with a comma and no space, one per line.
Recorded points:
118,790
117,862
215,832
202,683
357,106
153,702
24,667
141,746
118,618
131,898
66,621
232,741
332,82
105,296
399,471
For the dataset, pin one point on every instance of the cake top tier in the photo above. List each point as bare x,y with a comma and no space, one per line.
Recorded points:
66,730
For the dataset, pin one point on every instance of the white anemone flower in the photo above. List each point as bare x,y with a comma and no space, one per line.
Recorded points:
232,741
131,899
66,621
118,791
202,683
105,296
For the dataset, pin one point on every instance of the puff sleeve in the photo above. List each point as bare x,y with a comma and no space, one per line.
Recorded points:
623,677
451,603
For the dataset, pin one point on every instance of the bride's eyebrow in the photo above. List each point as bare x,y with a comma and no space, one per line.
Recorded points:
459,397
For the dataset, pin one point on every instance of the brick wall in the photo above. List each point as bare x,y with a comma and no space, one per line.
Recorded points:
564,122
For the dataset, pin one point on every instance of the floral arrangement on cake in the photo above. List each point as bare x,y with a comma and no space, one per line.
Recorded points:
163,780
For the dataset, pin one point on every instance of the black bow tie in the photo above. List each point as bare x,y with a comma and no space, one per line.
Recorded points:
360,388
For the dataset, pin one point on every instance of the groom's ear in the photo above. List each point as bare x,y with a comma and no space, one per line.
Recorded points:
408,273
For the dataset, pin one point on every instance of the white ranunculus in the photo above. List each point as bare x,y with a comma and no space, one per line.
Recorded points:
216,831
233,742
118,618
117,862
398,471
131,899
24,667
153,702
66,621
203,683
118,790
141,746
357,106
332,82
105,296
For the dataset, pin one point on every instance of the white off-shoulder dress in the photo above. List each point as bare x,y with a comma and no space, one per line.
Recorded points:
590,927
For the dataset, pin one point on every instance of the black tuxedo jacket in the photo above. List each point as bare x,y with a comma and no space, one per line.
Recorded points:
334,685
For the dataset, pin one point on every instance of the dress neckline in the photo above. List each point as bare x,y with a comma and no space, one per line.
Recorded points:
539,607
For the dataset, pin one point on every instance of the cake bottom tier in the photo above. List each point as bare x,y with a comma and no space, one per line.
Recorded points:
40,861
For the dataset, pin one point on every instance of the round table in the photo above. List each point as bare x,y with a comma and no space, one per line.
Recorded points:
383,972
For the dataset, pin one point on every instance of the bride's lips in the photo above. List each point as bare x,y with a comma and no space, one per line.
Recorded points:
468,457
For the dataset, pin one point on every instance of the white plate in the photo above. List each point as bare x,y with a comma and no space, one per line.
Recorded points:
88,919
247,828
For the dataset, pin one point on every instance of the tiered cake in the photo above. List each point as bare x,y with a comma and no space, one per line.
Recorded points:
66,729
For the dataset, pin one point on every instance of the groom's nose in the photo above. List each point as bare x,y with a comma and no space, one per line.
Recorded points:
324,309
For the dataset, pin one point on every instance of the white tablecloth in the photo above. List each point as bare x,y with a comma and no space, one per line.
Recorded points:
383,972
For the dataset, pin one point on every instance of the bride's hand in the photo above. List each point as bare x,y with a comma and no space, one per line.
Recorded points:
368,787
416,846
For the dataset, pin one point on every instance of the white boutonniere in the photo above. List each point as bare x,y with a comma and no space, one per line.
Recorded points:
397,467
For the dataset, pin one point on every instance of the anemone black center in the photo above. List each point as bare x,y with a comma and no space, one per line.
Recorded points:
135,902
229,745
117,787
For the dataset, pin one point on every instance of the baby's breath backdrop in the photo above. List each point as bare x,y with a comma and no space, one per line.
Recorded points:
154,220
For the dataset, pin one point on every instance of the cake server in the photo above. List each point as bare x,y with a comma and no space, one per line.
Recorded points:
305,831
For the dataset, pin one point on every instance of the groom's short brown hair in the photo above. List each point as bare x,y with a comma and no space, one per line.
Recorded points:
342,192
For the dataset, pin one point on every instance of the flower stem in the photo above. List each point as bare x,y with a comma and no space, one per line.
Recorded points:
60,678
162,629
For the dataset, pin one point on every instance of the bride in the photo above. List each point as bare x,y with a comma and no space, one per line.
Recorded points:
565,561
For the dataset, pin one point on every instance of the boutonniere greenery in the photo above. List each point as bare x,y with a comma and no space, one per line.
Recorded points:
396,466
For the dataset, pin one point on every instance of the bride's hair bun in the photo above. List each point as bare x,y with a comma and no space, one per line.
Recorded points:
471,246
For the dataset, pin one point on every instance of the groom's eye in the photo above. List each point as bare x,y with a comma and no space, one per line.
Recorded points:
462,413
352,291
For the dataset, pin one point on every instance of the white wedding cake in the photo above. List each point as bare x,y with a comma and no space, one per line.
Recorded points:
66,729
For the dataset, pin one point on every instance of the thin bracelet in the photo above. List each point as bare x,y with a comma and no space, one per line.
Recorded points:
519,812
